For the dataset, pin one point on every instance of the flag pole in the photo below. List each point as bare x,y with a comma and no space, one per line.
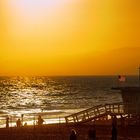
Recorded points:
139,76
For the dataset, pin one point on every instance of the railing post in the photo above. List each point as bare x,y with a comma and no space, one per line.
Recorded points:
74,118
95,112
98,111
77,118
87,114
119,110
66,119
113,108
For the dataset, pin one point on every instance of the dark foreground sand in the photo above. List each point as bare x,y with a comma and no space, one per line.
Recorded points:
62,132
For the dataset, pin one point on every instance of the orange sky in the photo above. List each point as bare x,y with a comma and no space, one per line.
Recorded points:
69,37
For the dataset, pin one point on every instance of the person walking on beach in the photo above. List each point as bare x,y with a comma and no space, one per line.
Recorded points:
114,133
73,135
18,123
7,122
40,120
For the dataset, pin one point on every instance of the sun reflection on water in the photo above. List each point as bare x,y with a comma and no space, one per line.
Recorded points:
52,97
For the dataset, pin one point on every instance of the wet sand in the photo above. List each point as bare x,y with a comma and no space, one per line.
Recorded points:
62,132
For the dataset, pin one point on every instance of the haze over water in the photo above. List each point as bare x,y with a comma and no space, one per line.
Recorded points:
56,97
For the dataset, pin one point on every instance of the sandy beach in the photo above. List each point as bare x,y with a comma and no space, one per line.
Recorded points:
62,132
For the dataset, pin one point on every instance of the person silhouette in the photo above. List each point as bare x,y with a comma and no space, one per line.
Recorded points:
40,120
73,135
18,123
25,124
114,133
7,122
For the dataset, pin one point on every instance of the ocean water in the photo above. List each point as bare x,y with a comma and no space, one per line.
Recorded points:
55,97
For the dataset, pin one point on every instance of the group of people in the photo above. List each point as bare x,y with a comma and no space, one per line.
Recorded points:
92,131
73,135
19,122
92,134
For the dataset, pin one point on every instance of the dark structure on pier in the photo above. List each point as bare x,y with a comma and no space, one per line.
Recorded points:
131,99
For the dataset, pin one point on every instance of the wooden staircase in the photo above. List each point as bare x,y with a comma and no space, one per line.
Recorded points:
95,113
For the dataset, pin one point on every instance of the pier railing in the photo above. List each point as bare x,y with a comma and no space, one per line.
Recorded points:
95,112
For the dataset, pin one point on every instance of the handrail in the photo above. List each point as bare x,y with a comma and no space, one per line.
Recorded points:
95,112
95,107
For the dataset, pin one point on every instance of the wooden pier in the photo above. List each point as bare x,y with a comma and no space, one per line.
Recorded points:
96,112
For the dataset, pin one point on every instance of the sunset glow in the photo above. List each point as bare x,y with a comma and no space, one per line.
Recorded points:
69,37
